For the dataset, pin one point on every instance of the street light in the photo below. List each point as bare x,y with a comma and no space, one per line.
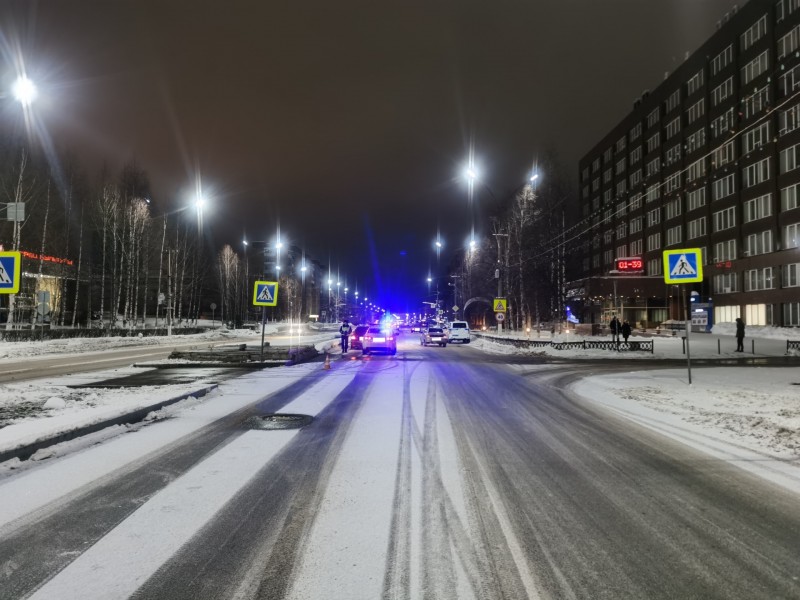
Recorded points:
24,91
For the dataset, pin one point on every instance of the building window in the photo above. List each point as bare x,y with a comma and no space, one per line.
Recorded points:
620,166
652,167
596,261
789,81
791,314
723,123
654,241
606,196
674,235
755,138
595,165
653,193
607,175
654,266
758,279
789,119
753,33
654,217
696,228
636,131
636,225
608,236
722,60
673,127
725,219
695,83
636,247
790,275
636,178
622,209
722,91
621,229
607,155
696,110
622,251
756,102
789,42
672,209
595,184
755,67
783,8
636,201
726,283
608,257
673,101
636,155
755,173
652,118
758,208
696,140
622,187
585,191
620,145
673,182
725,251
724,186
696,198
791,236
696,170
673,155
653,142
758,243
723,155
789,197
790,158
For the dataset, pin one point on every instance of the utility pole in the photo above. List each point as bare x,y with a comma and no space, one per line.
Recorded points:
497,274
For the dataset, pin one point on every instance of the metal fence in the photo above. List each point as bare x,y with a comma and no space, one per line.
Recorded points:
641,346
792,345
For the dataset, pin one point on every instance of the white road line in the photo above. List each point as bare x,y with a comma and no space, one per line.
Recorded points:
350,535
125,558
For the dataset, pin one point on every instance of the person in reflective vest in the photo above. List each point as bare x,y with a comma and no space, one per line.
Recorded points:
344,331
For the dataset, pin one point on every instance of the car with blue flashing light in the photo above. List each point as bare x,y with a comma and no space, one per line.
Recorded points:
379,339
433,335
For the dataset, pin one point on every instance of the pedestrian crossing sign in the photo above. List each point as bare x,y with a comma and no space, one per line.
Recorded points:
10,272
683,266
500,305
265,293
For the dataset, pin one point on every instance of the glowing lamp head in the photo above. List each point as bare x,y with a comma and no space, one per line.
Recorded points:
24,91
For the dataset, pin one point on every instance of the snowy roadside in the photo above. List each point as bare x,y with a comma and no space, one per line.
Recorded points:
747,416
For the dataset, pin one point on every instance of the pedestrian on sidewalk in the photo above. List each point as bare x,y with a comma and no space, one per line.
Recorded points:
739,335
615,327
626,331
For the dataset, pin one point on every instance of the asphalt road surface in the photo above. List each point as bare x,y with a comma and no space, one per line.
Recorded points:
437,473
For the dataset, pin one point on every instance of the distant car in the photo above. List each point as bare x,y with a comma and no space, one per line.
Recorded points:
416,328
355,337
379,340
458,331
433,335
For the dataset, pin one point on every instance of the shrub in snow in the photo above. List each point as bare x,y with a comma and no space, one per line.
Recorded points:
55,402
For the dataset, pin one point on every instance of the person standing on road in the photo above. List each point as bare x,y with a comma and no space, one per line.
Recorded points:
626,330
739,335
615,327
344,331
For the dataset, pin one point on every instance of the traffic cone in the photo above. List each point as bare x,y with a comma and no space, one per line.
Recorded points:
327,365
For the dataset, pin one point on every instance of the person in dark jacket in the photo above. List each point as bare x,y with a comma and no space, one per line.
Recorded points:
626,330
739,335
344,332
615,327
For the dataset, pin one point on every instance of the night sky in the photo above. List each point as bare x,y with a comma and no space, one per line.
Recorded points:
342,122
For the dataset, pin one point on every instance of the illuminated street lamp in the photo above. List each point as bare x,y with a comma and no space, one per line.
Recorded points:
24,91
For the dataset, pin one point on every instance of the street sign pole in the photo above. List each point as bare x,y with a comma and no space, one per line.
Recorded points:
263,326
688,330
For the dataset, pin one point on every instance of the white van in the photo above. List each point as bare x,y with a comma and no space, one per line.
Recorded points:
459,331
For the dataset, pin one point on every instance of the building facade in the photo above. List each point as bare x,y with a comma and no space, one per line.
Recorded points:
709,159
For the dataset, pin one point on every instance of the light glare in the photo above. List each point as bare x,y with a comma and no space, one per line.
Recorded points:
24,91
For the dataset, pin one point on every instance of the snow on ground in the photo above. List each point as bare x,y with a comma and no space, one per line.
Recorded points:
750,409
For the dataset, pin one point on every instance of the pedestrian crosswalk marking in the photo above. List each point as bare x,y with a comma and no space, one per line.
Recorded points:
683,265
265,295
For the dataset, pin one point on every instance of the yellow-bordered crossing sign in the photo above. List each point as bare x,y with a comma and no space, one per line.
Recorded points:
265,293
10,272
683,265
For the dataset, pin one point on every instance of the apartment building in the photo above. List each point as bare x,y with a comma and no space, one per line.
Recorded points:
709,159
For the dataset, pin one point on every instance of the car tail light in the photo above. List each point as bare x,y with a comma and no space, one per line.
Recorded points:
368,338
390,338
352,337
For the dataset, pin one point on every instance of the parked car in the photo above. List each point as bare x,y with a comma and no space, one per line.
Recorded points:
355,337
433,335
458,331
379,340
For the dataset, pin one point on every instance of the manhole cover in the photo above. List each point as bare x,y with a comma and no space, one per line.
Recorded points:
278,421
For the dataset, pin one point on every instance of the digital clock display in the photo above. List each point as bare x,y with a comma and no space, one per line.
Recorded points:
630,265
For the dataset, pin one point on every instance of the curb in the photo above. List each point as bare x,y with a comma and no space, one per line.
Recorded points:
24,452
